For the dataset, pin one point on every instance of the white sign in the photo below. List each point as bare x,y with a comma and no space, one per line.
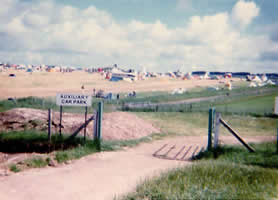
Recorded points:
276,106
73,100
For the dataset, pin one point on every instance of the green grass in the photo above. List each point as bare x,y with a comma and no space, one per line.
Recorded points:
176,123
265,155
241,100
33,141
14,168
250,126
196,123
210,180
75,153
162,97
36,162
28,102
227,173
254,105
242,105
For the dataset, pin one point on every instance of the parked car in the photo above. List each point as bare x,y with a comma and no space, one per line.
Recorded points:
12,75
100,94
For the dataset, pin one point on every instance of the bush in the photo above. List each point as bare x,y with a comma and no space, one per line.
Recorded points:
14,168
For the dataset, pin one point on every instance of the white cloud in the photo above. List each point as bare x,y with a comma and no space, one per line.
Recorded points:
184,4
210,28
244,12
43,32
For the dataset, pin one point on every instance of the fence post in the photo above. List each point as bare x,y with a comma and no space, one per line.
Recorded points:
277,141
236,135
210,126
85,128
99,124
60,128
100,110
49,124
217,125
95,125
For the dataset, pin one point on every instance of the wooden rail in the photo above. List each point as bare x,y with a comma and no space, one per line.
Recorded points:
236,135
81,127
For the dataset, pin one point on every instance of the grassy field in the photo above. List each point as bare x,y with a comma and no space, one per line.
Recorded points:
256,104
265,155
238,102
223,178
196,123
249,105
161,97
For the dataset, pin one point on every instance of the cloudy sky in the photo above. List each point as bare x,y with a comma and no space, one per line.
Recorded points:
159,35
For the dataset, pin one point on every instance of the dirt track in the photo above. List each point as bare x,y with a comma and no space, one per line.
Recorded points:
99,176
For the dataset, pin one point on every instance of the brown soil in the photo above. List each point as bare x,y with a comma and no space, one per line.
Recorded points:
116,125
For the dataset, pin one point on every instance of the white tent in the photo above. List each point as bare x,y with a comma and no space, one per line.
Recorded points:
257,79
264,78
252,84
270,82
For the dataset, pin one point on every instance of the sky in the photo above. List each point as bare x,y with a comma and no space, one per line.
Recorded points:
155,35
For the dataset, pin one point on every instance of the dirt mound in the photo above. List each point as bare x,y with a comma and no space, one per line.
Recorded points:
116,125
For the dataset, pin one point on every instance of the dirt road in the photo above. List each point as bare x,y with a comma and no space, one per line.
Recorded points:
99,176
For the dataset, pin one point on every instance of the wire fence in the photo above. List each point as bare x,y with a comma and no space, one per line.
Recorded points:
248,103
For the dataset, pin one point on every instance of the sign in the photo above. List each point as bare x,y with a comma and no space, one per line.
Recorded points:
73,100
276,106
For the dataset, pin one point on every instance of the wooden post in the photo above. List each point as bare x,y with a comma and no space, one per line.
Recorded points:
100,110
60,125
81,127
210,126
277,141
99,124
216,131
95,125
276,113
236,135
85,128
49,124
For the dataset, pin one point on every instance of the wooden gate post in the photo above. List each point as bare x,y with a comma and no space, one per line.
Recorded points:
236,135
276,113
216,130
100,110
85,128
99,124
210,127
60,128
49,124
277,141
95,125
